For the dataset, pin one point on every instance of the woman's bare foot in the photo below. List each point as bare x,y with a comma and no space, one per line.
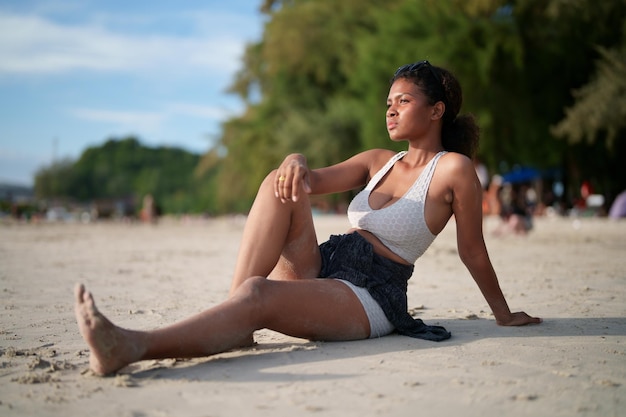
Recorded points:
111,347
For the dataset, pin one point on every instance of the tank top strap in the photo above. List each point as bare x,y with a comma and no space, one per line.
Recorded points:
432,165
420,187
383,171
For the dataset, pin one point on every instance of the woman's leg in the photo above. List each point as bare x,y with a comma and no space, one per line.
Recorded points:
279,239
319,309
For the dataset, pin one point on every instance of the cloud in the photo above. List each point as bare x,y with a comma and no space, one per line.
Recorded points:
153,121
145,121
195,110
37,45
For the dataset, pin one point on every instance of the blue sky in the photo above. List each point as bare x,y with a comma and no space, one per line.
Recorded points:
74,73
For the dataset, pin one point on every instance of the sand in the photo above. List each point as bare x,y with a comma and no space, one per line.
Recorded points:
571,272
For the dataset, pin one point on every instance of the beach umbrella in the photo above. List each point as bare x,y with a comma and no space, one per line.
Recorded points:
521,174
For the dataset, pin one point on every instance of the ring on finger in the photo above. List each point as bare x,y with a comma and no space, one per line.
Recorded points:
281,178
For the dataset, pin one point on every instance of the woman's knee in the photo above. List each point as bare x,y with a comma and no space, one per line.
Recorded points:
268,181
267,185
251,293
252,287
258,295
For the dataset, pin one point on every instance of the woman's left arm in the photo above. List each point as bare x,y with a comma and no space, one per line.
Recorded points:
467,209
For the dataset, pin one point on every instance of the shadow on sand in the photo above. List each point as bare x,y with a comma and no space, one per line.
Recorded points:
263,362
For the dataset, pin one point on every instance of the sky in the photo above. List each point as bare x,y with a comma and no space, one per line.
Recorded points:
75,73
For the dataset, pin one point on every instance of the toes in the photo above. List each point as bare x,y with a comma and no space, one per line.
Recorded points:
83,297
79,290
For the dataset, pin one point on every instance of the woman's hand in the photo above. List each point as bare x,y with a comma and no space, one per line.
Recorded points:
292,178
518,319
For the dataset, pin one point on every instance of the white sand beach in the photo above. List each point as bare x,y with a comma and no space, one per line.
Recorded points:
570,272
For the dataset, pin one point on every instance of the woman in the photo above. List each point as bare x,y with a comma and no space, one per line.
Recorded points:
409,198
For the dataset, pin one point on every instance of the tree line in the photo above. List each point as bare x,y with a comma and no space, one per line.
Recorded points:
546,81
124,170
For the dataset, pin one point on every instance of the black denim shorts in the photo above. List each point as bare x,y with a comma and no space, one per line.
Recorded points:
351,257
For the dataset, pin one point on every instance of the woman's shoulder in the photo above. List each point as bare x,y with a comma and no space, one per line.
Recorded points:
373,160
455,166
379,153
376,156
455,160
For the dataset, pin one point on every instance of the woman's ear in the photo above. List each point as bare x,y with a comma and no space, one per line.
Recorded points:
438,110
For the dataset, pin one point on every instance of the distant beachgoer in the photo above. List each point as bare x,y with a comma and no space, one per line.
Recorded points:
148,211
515,210
618,208
352,286
491,197
482,173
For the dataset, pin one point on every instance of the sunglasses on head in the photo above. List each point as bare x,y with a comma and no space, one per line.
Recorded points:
416,67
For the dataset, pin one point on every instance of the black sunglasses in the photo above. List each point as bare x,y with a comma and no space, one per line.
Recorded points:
415,67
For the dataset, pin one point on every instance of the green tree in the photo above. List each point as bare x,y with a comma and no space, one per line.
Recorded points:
125,169
600,106
595,126
315,83
51,181
295,84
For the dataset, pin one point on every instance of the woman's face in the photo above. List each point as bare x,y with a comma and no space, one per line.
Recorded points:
409,116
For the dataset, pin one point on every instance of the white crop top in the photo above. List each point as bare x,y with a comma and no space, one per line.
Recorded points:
400,226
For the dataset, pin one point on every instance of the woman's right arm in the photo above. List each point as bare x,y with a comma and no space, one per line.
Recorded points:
293,176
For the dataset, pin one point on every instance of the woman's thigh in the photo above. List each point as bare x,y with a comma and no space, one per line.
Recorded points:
316,309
